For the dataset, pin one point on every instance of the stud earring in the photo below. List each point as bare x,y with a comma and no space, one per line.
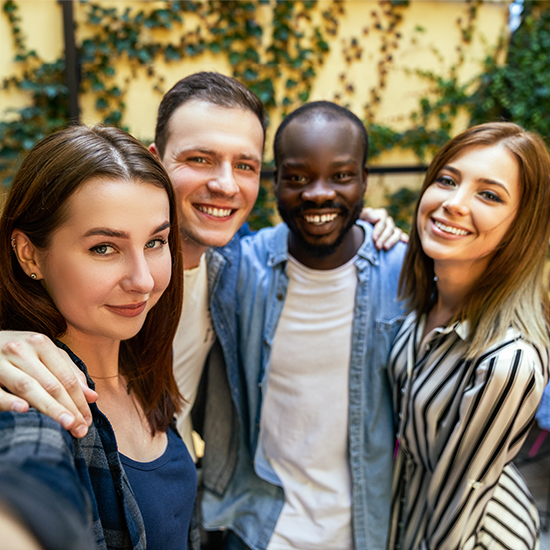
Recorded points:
33,276
13,244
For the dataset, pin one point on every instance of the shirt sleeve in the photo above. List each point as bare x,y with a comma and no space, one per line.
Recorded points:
39,482
495,414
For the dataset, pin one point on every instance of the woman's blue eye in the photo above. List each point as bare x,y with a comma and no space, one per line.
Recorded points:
156,243
101,249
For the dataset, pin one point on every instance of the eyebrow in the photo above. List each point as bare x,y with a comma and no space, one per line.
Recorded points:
208,151
113,233
488,181
299,164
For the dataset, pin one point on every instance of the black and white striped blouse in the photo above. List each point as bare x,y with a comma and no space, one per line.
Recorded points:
461,422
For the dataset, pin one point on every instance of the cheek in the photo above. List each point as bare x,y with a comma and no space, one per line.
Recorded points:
249,192
161,272
74,289
423,209
182,182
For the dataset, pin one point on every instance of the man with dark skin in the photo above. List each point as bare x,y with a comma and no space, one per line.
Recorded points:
209,137
318,310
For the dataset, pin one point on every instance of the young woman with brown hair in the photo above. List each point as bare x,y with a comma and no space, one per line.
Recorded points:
471,361
90,256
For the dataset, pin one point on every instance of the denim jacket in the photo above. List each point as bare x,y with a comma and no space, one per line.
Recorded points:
241,490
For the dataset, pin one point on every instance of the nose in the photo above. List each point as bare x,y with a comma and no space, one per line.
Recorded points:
458,202
318,191
138,276
223,181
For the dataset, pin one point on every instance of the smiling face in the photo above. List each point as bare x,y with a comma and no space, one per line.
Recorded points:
464,214
109,262
320,182
213,157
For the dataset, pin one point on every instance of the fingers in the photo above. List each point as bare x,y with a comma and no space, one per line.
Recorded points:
35,370
387,234
9,402
376,217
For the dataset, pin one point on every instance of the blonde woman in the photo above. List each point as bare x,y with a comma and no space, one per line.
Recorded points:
470,363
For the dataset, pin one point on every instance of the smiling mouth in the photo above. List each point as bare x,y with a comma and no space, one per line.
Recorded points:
129,310
215,212
320,219
451,230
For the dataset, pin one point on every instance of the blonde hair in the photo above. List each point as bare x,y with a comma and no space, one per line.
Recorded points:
512,291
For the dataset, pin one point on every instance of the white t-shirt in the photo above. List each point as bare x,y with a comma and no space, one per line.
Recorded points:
193,341
304,421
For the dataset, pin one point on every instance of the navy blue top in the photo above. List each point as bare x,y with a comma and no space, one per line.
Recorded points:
171,480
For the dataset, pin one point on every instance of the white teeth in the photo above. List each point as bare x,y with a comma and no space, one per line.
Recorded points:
320,220
216,212
449,229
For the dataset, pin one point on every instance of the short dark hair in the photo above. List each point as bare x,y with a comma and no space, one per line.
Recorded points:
55,168
329,111
211,87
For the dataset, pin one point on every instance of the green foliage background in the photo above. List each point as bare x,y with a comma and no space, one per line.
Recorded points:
516,90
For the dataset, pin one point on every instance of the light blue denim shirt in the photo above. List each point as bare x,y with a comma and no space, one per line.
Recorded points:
241,490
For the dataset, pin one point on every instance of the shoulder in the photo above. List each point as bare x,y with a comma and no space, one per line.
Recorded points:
515,362
32,426
388,260
34,441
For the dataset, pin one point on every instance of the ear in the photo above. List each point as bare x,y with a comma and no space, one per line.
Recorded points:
153,149
26,253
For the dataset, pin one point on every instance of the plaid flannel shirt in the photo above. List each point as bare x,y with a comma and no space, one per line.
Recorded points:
73,476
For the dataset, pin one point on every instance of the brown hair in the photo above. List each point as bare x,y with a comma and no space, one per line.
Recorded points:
512,290
211,87
52,171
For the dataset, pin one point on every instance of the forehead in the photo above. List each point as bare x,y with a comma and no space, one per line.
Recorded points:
113,202
322,138
202,123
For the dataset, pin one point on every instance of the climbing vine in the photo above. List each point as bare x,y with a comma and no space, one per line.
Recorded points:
270,41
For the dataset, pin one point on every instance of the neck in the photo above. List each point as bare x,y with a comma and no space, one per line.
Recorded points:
454,282
344,252
100,357
192,252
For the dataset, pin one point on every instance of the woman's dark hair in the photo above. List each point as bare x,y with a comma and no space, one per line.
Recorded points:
52,171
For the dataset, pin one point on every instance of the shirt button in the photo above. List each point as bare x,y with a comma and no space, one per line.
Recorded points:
279,296
428,346
403,390
400,415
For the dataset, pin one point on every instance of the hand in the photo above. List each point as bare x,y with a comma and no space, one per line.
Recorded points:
37,373
385,233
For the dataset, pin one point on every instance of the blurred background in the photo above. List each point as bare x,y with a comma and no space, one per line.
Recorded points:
417,72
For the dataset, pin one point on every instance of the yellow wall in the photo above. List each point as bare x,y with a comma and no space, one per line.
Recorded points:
434,49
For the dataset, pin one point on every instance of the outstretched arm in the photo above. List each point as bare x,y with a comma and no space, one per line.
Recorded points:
14,533
35,372
385,233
